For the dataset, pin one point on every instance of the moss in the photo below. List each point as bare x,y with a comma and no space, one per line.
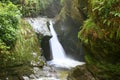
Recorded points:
80,73
26,45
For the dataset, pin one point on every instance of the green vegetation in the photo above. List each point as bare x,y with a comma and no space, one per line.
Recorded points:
100,33
26,45
9,21
18,41
101,37
31,8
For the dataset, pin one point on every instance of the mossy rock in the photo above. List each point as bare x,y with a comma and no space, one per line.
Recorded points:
80,73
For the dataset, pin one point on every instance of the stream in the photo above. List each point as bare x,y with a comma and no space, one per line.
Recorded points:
59,66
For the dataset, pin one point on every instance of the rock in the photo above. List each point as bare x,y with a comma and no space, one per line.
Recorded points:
41,27
46,47
52,10
32,76
80,73
26,78
67,33
68,24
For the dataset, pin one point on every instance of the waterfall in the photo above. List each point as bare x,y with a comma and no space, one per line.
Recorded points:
59,57
56,48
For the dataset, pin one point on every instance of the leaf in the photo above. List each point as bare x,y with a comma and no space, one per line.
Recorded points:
108,23
104,21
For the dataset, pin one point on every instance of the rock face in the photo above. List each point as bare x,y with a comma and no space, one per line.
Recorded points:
67,27
41,27
67,34
52,10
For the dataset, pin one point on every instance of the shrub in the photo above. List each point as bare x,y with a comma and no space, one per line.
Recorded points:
3,53
9,20
25,46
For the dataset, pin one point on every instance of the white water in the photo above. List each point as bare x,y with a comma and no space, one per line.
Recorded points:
59,57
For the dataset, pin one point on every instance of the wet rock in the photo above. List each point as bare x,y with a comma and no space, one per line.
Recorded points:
46,47
80,73
34,73
32,76
26,78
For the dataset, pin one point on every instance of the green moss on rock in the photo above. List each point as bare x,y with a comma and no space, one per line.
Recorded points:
80,73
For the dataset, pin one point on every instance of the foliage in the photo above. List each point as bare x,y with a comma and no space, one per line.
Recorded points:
91,31
3,54
100,34
18,42
106,14
110,70
105,28
26,45
31,7
24,49
9,20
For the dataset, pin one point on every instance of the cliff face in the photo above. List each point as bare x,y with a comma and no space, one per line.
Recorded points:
52,9
67,26
99,35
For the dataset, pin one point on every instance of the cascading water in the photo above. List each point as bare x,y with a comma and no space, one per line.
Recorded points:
59,57
56,48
